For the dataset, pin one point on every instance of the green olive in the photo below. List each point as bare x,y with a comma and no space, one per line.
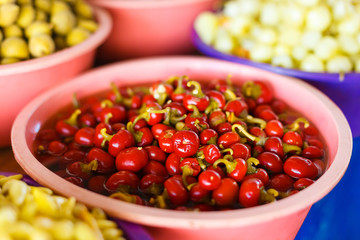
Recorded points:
44,5
14,47
38,27
60,42
41,15
8,14
41,45
13,31
88,24
9,60
23,2
63,21
6,1
59,6
27,15
77,35
83,9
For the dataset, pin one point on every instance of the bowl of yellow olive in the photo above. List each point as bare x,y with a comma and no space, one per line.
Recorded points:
317,41
44,43
30,211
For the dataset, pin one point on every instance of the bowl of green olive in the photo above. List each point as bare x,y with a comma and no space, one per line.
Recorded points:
44,43
316,41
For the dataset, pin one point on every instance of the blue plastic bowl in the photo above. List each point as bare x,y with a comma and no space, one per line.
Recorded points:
343,90
131,231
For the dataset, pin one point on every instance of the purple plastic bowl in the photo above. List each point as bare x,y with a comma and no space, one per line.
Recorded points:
132,231
345,92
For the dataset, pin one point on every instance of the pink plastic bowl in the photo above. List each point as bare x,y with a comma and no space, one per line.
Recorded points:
278,220
21,82
150,27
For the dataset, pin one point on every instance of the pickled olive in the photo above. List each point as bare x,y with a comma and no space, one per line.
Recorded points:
9,60
38,27
66,22
8,14
26,16
41,15
77,35
63,21
23,2
59,6
6,1
34,212
87,24
41,45
14,47
60,42
44,5
83,9
12,31
225,158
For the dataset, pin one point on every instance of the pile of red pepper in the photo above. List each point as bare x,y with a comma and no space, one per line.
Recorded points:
185,145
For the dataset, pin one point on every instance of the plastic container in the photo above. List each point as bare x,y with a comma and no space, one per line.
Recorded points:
344,89
150,27
278,220
20,82
131,231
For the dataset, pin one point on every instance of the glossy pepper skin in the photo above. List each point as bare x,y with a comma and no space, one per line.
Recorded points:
186,145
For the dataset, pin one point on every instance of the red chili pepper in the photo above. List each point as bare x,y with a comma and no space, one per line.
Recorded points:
132,159
300,167
105,162
186,143
209,180
227,193
122,181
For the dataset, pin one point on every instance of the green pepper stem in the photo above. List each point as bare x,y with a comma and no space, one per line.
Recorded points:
296,124
241,129
251,163
72,120
179,126
75,101
289,148
268,196
229,150
106,103
124,197
230,117
175,119
250,89
108,116
186,171
228,157
229,95
190,186
197,88
195,111
201,163
118,97
179,88
159,200
212,106
107,137
93,165
230,166
251,119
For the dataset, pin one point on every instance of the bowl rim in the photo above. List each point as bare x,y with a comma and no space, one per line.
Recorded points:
350,77
145,4
94,41
177,219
